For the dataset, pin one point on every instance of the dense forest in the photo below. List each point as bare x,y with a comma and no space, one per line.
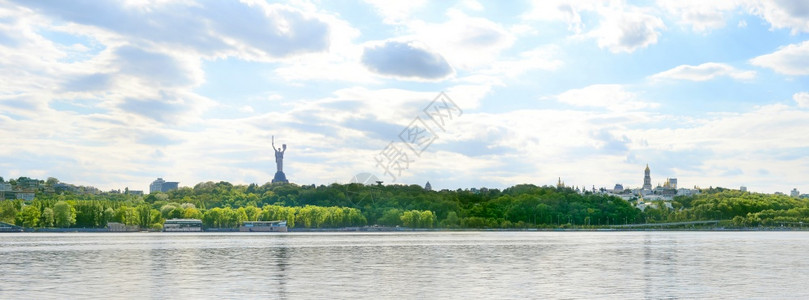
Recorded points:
224,205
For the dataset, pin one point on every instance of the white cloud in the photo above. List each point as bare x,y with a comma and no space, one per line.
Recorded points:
466,42
704,72
246,109
254,30
702,16
542,58
87,95
771,126
790,60
769,137
620,28
148,70
560,10
408,60
626,29
802,99
331,67
791,14
610,96
395,12
473,5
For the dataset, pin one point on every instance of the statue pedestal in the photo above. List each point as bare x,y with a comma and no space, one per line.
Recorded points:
280,177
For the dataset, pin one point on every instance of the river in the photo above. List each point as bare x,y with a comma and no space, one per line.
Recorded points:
409,265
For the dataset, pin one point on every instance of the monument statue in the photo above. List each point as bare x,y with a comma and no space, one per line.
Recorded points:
279,155
279,162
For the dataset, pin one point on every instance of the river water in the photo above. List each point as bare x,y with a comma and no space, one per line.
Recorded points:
412,265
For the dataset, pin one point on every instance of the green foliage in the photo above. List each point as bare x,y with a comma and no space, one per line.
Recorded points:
47,218
89,214
29,216
418,219
742,208
63,214
451,221
391,217
224,205
9,211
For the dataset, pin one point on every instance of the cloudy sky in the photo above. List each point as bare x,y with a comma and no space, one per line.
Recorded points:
114,94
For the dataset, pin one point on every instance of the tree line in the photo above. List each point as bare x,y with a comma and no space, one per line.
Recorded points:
224,205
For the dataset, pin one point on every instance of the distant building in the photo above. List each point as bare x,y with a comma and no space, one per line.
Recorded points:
671,183
743,188
27,184
428,187
135,192
687,192
618,188
263,226
64,187
794,193
647,179
5,191
182,225
160,185
6,227
156,186
120,227
168,186
26,196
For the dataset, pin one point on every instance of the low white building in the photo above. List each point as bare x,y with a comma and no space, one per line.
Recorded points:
26,196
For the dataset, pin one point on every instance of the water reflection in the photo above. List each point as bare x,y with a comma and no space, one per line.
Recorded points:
405,265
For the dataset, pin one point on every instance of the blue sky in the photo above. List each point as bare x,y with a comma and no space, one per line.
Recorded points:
114,94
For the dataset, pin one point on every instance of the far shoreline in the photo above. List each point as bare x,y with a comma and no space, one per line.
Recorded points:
412,230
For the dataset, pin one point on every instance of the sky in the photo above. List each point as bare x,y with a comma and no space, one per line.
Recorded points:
114,94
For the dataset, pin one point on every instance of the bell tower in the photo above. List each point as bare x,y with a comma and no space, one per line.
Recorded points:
647,179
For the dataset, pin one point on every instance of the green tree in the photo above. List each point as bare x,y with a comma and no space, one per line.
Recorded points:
47,218
176,213
29,216
126,215
89,214
8,211
410,218
391,217
51,181
145,215
252,212
192,213
426,219
452,220
165,210
63,214
109,215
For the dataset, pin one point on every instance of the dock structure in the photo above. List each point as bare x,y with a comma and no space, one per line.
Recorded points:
669,224
182,225
263,226
6,227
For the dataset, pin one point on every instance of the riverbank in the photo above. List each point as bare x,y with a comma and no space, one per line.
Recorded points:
404,229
